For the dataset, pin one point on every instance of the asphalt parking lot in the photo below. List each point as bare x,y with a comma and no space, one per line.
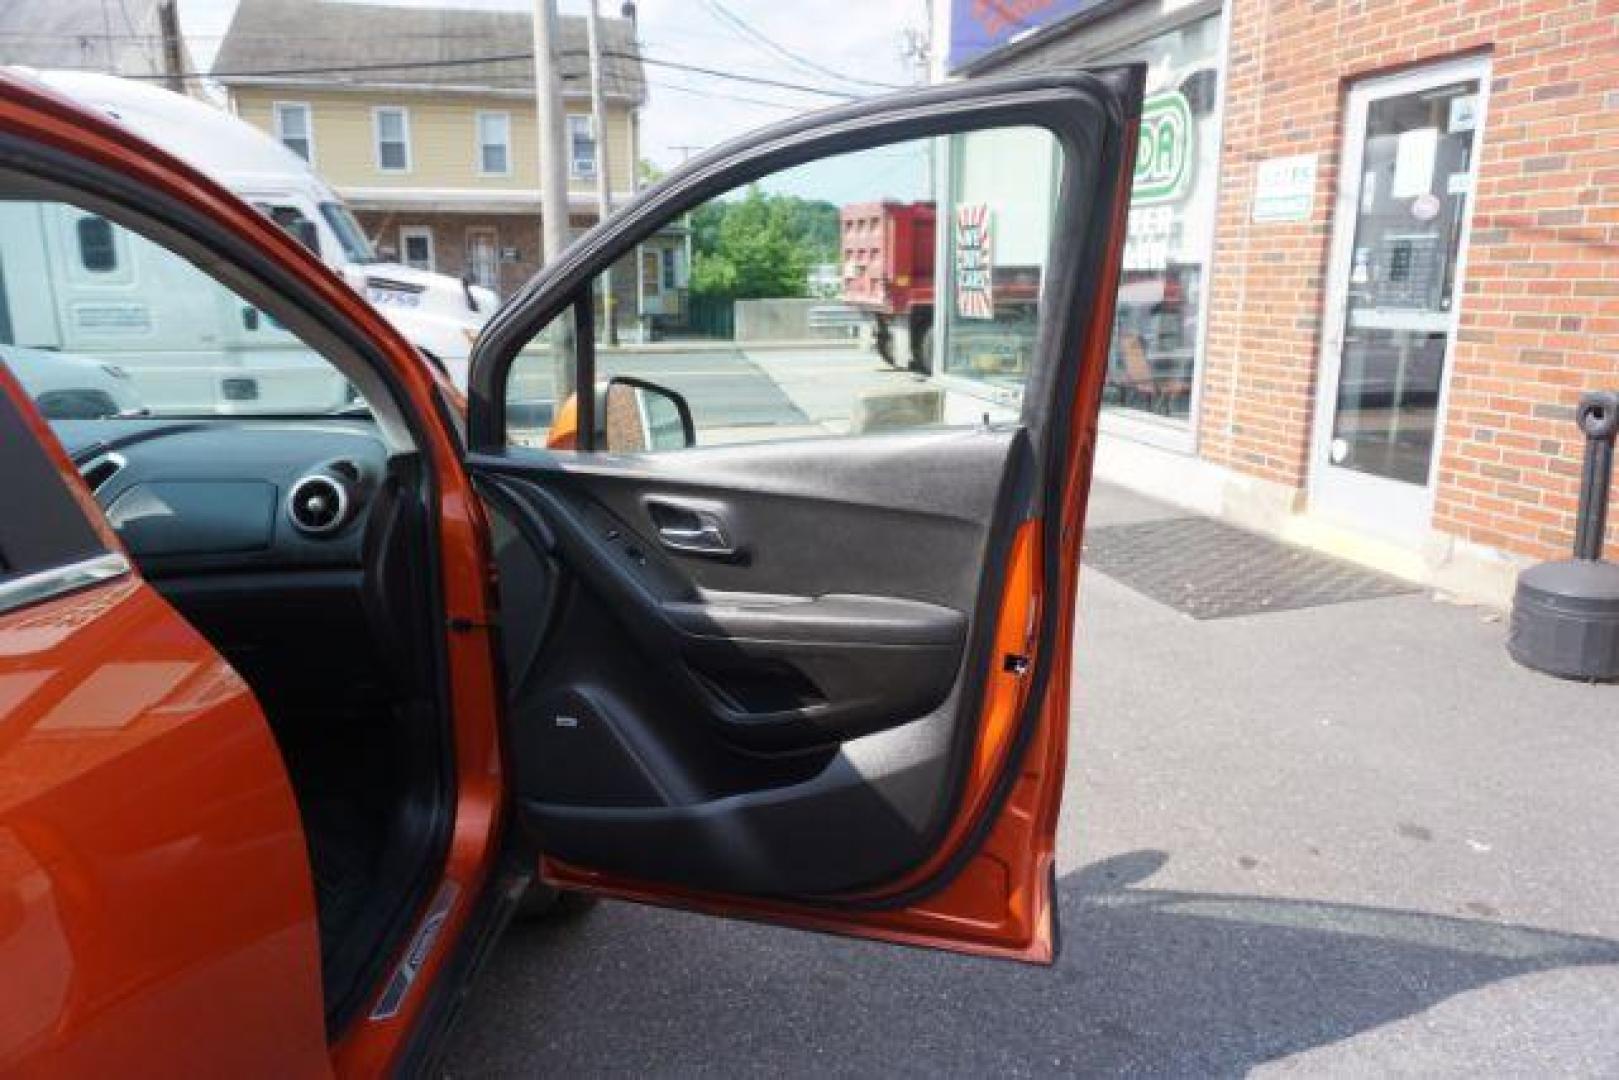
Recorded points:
1345,840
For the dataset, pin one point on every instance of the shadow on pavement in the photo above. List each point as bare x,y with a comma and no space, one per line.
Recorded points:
1150,982
1170,981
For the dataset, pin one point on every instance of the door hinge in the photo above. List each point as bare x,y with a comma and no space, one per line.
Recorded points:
460,624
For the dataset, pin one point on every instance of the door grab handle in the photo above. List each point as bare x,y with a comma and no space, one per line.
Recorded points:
707,538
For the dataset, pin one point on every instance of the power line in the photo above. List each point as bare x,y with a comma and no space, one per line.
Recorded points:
800,61
343,69
790,106
756,79
502,58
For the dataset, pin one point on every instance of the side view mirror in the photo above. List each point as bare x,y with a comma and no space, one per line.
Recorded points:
637,416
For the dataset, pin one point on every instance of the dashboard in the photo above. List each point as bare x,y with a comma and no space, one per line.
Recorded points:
237,494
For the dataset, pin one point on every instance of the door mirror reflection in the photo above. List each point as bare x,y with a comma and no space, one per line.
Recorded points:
638,416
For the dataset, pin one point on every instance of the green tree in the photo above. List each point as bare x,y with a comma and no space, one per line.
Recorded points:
648,172
761,245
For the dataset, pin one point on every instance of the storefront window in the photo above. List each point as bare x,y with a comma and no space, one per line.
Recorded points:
997,238
1153,365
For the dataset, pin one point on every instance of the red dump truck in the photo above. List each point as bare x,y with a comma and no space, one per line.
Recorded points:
888,273
888,251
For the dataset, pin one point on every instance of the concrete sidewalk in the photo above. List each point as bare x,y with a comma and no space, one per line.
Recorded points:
1346,840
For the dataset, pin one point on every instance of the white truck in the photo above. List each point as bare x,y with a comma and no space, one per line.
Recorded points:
100,309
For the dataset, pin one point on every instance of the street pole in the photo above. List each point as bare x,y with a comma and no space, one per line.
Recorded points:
604,197
168,22
553,175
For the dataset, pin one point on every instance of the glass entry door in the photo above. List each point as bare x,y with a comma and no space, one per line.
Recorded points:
483,258
1405,197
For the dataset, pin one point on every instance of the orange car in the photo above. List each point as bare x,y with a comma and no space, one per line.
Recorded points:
307,678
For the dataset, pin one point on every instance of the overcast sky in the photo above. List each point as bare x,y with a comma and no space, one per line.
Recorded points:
861,39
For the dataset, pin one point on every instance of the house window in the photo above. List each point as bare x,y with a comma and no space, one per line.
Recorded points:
416,246
98,252
393,139
582,147
494,143
295,128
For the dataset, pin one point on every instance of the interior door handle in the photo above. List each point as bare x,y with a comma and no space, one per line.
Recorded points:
693,526
699,534
705,537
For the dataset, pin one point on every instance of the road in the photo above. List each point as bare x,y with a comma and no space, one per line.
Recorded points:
736,393
1346,840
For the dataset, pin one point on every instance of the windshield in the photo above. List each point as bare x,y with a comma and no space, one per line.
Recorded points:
106,324
349,234
292,219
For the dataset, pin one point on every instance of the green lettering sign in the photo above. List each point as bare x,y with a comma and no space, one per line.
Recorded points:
1164,153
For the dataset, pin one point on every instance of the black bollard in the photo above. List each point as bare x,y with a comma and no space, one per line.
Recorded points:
1565,615
1598,417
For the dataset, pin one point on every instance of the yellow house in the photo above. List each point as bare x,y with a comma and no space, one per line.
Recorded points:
424,120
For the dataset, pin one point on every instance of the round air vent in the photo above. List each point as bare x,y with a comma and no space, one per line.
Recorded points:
318,504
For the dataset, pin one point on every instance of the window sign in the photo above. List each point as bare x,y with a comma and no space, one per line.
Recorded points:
978,27
975,261
1164,152
1284,189
1153,235
1414,153
1463,113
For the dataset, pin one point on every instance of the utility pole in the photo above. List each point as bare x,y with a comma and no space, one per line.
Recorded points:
917,47
548,103
553,174
168,21
604,197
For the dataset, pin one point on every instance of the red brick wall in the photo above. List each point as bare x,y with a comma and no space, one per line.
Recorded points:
518,231
1539,315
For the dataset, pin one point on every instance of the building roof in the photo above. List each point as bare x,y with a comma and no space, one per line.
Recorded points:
83,35
270,41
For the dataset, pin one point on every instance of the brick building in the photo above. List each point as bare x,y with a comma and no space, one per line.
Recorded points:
1374,260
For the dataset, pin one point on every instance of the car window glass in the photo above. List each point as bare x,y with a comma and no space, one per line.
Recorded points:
292,219
104,323
55,531
884,289
97,253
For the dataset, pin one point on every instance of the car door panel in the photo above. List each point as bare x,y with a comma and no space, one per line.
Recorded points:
841,613
822,681
698,667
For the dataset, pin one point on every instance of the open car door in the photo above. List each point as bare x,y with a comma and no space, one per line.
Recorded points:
787,627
